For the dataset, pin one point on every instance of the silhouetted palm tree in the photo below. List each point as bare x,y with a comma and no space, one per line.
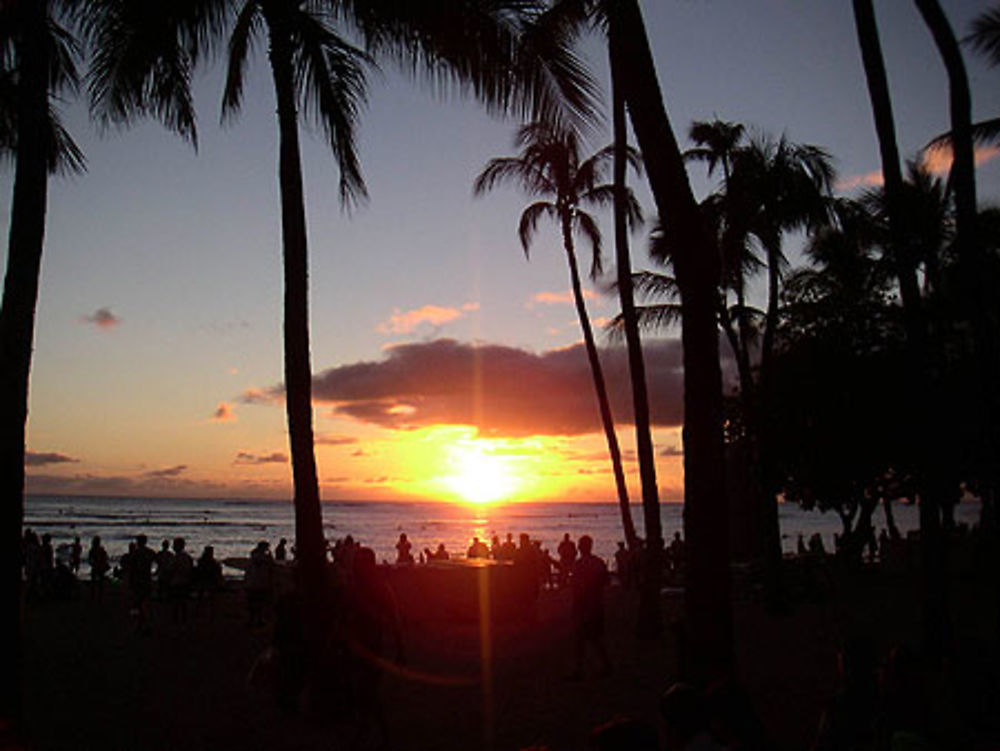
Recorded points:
708,605
549,167
37,66
501,51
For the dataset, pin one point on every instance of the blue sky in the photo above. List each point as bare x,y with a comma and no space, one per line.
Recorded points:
183,248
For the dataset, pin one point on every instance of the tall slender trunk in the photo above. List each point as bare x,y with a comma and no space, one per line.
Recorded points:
600,388
309,541
17,327
931,480
708,601
630,319
973,265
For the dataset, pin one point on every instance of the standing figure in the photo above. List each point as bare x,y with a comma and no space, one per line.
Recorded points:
259,582
97,558
403,555
590,576
180,574
567,555
139,578
281,552
75,555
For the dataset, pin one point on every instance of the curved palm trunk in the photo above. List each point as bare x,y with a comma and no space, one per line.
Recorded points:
599,386
708,602
17,327
972,258
630,319
309,541
934,592
649,624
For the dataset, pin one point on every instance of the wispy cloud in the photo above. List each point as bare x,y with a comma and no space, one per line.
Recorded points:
224,413
175,471
938,161
403,322
245,458
559,298
42,458
868,180
103,318
260,396
335,440
672,451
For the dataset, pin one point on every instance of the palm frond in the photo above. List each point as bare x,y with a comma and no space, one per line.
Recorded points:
528,225
332,85
241,43
984,133
985,35
528,176
588,227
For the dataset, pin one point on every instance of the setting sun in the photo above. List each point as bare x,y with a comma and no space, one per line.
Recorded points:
478,475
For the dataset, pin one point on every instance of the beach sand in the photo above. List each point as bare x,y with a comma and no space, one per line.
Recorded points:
94,684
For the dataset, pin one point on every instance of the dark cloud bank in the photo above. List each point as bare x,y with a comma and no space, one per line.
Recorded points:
501,390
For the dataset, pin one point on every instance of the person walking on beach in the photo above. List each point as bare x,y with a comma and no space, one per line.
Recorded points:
75,555
590,576
567,555
97,558
139,578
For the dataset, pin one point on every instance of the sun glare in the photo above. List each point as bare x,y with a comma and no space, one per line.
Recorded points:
478,476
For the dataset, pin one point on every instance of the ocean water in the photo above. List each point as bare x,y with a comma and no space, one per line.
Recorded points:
233,527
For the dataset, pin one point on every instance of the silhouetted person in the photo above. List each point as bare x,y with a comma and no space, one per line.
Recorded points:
371,615
623,566
75,556
180,575
403,547
97,559
507,548
495,548
281,552
624,734
441,554
139,578
163,560
685,720
478,549
800,545
258,582
816,546
526,578
590,576
850,720
207,579
567,555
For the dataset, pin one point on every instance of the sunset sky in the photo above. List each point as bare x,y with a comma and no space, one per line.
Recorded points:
447,367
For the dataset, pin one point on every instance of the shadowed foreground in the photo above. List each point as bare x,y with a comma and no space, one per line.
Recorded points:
93,684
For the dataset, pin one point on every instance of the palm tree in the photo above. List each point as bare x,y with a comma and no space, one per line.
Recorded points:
549,167
37,66
708,604
501,51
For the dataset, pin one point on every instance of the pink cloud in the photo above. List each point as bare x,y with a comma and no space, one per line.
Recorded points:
224,413
938,161
559,298
869,180
403,322
103,318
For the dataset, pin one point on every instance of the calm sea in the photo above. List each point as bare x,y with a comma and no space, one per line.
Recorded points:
235,526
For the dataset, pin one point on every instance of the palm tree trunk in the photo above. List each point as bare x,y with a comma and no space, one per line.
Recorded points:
935,610
973,264
310,544
708,601
599,386
17,327
630,319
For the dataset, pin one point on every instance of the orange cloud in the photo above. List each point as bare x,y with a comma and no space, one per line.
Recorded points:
403,322
938,161
558,298
103,318
869,180
224,413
